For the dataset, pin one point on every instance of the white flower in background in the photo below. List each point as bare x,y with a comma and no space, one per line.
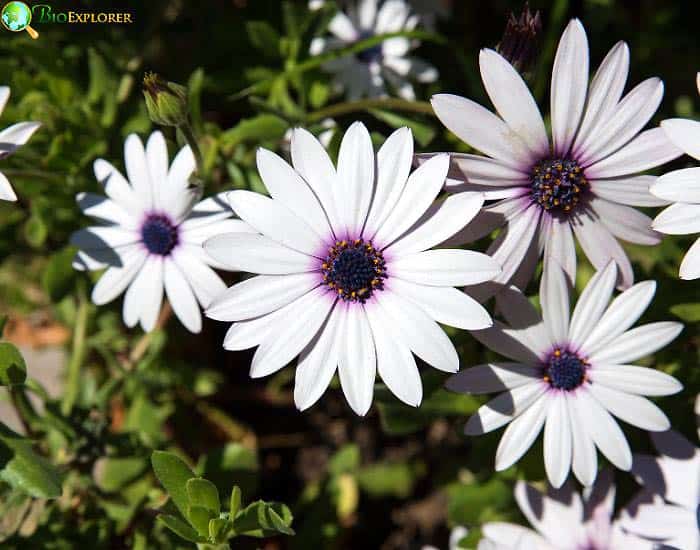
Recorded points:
150,235
667,508
325,132
682,187
379,69
570,374
456,535
427,10
346,278
563,520
11,139
583,184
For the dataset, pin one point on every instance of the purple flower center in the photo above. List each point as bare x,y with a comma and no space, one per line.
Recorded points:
558,185
158,234
564,369
354,270
374,53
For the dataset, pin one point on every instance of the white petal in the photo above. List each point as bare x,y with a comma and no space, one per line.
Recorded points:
638,342
422,187
490,218
392,16
445,267
679,219
584,456
679,186
521,434
603,429
482,170
690,266
419,332
600,247
604,93
493,377
116,279
481,129
560,246
356,177
203,232
508,342
592,303
117,188
6,191
395,363
260,295
157,157
152,296
633,409
4,96
357,364
623,312
625,121
170,194
257,254
105,210
649,149
287,187
557,515
685,134
557,441
633,379
293,330
503,408
625,223
181,297
445,305
137,169
317,363
210,210
632,191
276,221
12,137
554,298
366,12
513,101
342,27
248,334
205,283
569,84
522,317
508,535
449,217
393,166
311,161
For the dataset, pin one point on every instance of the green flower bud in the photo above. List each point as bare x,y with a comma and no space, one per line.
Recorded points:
166,102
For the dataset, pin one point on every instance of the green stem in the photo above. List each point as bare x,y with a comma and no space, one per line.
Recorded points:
77,356
365,104
16,172
23,407
192,142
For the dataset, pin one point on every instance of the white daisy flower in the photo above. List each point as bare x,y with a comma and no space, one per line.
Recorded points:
563,520
667,509
346,278
682,187
583,184
150,235
11,139
379,68
570,374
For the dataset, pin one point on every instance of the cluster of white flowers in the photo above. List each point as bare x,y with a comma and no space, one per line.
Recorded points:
356,266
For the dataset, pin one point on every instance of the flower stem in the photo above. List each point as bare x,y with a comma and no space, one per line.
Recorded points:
141,347
187,131
77,355
365,104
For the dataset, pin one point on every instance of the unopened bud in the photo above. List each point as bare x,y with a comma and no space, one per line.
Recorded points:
520,41
166,102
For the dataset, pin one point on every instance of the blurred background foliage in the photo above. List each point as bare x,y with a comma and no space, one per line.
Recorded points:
98,398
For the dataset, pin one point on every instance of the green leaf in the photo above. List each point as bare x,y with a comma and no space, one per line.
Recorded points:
262,519
180,528
423,133
690,313
217,528
347,459
235,502
13,369
199,519
24,469
202,492
35,230
381,480
259,128
173,474
263,37
59,276
115,472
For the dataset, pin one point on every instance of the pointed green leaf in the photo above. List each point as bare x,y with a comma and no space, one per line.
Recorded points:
199,519
173,474
236,499
217,528
256,520
202,492
180,528
13,369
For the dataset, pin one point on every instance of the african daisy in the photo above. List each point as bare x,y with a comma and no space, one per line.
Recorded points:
346,279
150,233
11,139
582,184
368,72
570,374
682,187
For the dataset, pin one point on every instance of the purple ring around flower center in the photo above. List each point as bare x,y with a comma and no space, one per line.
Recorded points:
159,234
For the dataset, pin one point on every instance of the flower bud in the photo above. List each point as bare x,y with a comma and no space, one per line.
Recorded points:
520,41
166,102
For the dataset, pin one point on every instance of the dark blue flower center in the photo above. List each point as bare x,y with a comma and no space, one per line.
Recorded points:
159,235
564,369
373,53
558,185
354,270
